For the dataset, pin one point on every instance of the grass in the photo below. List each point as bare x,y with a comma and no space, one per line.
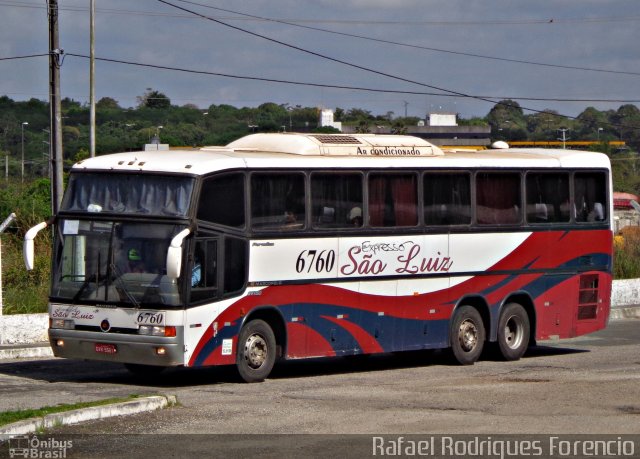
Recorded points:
8,417
25,292
626,256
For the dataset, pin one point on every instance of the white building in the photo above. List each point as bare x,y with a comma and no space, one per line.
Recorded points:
326,119
443,119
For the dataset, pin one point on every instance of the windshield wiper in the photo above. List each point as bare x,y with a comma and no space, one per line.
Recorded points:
117,274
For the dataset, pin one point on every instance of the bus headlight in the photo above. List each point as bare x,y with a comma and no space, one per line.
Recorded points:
154,330
66,324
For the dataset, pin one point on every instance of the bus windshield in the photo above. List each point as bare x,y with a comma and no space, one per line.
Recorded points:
115,262
128,194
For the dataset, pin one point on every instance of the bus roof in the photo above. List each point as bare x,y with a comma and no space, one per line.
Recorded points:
336,145
337,151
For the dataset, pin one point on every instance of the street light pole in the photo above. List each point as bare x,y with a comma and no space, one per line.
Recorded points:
564,137
25,123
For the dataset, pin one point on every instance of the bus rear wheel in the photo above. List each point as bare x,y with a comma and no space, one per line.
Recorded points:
467,335
256,353
513,331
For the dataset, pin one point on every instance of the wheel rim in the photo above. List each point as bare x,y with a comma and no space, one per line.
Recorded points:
255,351
468,335
513,332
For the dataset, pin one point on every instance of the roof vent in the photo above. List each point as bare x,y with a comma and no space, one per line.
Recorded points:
499,145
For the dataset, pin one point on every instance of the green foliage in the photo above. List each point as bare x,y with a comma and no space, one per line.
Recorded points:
154,99
626,256
25,291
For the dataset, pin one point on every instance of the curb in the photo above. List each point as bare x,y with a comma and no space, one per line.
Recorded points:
23,351
49,421
625,312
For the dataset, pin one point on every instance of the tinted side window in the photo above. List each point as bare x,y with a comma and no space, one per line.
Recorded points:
548,197
498,198
336,200
393,200
277,201
222,200
204,273
590,198
447,199
235,259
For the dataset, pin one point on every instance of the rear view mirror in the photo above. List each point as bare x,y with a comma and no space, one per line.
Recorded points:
174,254
27,248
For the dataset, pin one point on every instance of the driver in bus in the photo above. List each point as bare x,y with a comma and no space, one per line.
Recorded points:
135,263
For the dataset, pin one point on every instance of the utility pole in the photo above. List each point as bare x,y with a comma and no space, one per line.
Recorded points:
92,82
55,106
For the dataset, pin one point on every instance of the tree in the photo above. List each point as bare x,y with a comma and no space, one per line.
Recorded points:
358,114
543,125
107,103
153,99
507,120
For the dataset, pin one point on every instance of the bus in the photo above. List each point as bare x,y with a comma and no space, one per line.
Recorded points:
290,246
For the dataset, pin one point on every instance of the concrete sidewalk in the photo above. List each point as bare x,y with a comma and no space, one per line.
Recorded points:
138,405
25,351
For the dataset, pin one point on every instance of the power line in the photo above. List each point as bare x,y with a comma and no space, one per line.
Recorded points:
426,48
22,57
300,23
357,66
326,57
331,86
343,87
445,23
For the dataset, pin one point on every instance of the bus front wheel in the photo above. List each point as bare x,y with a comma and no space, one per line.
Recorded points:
256,353
513,331
467,335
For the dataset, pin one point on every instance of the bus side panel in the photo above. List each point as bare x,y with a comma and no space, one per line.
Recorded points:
555,308
565,273
573,305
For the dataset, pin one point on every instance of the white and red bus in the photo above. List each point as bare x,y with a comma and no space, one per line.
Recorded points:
289,246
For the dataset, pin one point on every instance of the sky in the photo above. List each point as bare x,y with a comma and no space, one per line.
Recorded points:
412,56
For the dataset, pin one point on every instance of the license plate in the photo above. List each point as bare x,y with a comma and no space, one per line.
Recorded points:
106,348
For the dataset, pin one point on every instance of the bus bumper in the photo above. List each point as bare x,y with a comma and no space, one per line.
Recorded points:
123,348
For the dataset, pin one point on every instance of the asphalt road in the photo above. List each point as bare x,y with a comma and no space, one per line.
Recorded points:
587,385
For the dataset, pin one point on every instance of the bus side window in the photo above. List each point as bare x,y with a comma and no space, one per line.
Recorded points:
498,198
447,198
393,200
590,197
277,201
334,196
547,197
204,277
235,264
222,200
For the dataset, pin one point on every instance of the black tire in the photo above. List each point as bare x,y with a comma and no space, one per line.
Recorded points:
256,353
144,371
467,335
513,332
